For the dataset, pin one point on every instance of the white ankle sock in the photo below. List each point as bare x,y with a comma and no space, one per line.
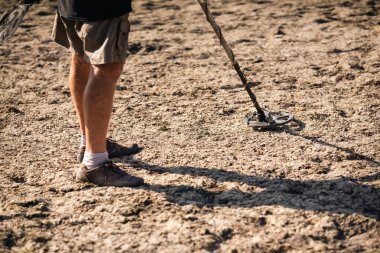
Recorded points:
83,140
93,160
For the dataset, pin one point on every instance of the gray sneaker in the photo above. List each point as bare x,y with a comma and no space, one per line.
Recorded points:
109,174
114,149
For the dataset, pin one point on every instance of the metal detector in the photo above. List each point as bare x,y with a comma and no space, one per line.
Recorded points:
11,19
261,119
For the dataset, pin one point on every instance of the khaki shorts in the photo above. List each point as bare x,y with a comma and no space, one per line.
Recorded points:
99,42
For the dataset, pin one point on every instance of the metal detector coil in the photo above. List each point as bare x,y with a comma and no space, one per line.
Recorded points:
273,120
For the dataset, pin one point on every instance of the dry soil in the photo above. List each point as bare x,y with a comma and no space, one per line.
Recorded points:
213,183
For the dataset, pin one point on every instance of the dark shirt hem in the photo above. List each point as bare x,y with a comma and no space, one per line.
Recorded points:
93,10
92,19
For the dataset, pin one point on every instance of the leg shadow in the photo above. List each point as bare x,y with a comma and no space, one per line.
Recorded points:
343,195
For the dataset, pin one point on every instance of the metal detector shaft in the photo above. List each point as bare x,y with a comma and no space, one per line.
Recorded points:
231,55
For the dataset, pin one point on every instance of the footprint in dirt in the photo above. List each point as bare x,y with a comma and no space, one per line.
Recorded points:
18,179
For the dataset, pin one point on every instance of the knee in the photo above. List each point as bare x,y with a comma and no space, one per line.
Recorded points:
111,71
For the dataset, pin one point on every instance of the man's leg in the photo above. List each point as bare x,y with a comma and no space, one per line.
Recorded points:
97,107
92,89
78,78
97,104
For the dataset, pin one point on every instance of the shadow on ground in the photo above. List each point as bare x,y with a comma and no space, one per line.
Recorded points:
298,126
343,195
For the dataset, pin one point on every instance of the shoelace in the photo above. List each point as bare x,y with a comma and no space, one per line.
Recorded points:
113,167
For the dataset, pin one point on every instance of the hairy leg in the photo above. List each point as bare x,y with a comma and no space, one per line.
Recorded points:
97,104
78,78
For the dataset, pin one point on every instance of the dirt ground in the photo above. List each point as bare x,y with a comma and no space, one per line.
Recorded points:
213,183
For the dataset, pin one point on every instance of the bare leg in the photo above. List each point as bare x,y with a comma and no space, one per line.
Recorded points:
79,73
97,104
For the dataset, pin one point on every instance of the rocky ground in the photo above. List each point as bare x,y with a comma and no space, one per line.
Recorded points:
213,183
